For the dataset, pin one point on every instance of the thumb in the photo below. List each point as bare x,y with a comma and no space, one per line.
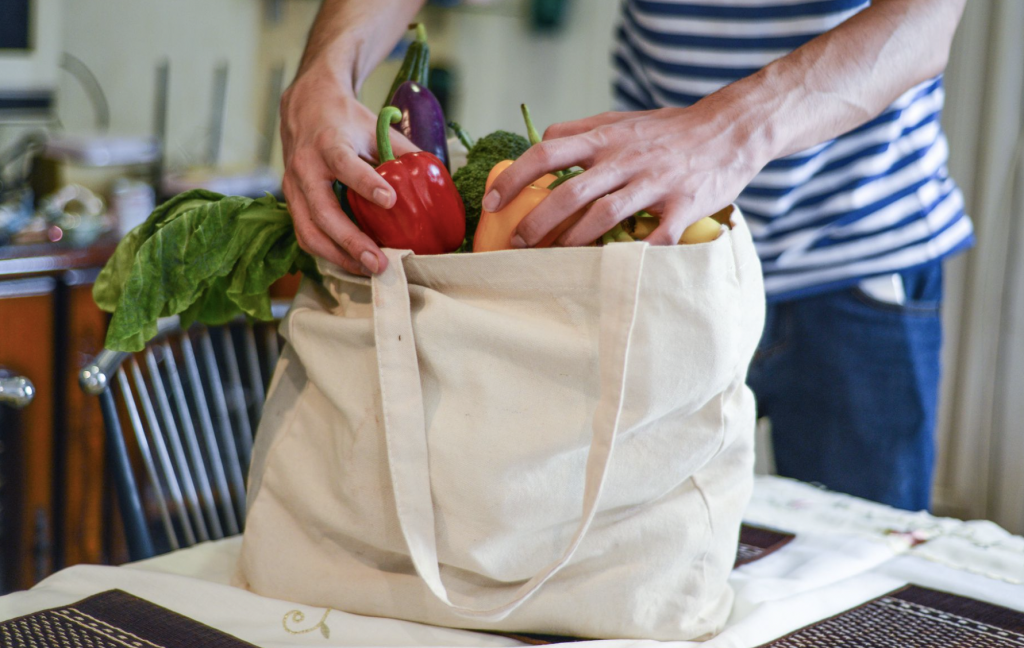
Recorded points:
401,144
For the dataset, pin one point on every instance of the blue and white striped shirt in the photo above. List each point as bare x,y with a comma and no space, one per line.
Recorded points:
876,200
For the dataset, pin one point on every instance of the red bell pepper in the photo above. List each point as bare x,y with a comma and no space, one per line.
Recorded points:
428,217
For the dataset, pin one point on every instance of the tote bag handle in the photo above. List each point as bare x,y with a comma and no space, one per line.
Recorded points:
405,423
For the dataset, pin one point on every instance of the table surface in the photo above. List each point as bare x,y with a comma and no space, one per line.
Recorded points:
847,551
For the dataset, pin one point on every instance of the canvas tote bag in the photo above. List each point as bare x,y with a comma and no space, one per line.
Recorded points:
555,441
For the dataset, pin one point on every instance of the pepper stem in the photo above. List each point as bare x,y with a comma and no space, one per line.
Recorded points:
531,130
421,31
388,115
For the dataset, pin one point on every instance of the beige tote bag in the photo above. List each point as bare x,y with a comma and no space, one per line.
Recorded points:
554,441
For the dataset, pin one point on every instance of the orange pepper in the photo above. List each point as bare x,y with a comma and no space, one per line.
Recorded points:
494,232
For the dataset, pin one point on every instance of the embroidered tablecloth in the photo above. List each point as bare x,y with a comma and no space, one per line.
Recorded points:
846,553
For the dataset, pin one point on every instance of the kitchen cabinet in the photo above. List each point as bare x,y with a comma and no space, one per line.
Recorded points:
55,499
26,347
57,503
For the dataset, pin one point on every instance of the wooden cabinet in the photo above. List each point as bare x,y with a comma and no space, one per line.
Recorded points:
79,460
55,491
58,505
27,308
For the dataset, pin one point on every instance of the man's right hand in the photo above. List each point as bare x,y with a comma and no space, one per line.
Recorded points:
326,134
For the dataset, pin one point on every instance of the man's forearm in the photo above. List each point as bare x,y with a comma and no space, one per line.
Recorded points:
844,77
351,37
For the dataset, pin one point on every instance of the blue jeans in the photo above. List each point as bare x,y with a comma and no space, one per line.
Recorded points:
850,384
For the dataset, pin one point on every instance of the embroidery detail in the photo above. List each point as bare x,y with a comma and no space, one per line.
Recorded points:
297,617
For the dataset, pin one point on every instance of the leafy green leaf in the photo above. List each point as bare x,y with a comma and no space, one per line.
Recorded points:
202,256
107,289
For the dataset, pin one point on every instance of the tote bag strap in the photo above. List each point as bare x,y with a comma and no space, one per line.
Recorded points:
405,423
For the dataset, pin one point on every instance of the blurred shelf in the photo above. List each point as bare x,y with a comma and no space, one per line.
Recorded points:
44,258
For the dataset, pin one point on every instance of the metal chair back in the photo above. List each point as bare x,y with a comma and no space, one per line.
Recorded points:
187,406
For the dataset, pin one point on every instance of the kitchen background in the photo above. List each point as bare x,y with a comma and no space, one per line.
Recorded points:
103,62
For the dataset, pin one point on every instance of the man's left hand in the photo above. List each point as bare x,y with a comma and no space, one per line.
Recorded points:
678,163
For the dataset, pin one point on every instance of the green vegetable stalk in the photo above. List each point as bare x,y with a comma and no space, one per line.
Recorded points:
565,177
202,256
463,136
531,130
535,138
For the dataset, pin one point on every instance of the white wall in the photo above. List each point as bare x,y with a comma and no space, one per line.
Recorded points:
503,64
499,61
122,41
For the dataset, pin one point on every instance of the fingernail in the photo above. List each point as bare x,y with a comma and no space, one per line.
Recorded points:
370,261
383,198
491,200
518,242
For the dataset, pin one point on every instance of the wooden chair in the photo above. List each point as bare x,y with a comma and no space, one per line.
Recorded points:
179,418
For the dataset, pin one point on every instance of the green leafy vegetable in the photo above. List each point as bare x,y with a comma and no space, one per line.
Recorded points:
471,179
203,256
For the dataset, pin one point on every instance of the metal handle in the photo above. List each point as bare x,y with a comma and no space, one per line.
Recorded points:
98,374
16,391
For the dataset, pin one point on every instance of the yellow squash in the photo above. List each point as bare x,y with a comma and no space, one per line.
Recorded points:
494,232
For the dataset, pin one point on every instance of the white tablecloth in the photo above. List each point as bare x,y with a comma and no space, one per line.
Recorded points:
846,552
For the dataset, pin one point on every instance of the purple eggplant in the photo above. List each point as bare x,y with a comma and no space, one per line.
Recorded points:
422,119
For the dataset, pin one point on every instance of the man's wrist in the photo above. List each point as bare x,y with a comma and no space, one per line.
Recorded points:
747,112
334,62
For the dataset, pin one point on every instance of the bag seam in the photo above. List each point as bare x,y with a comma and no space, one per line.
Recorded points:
707,511
288,426
707,549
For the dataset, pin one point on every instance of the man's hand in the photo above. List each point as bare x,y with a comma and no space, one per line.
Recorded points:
327,134
679,163
687,163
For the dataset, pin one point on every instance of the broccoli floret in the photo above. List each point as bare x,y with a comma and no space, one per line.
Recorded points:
499,145
471,179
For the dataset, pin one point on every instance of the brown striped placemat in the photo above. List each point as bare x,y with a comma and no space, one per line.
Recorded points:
112,619
757,542
914,617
